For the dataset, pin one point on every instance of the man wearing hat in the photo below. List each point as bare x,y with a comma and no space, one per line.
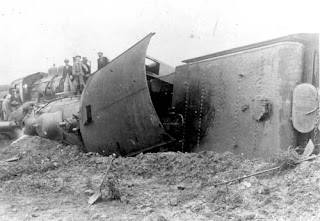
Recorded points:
78,74
102,61
67,77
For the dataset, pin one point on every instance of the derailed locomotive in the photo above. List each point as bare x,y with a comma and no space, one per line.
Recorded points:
255,100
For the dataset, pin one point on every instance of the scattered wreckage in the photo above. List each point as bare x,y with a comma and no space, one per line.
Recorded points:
254,100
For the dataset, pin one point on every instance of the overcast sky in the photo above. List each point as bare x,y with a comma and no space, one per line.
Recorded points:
36,34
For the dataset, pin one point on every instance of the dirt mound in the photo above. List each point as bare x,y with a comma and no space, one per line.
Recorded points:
36,155
173,168
172,186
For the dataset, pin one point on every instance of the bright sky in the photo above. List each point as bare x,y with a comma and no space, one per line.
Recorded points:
36,33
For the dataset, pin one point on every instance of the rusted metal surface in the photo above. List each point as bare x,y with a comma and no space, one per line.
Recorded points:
116,111
304,107
261,108
240,102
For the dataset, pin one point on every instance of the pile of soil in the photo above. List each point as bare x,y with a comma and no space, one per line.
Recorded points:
49,180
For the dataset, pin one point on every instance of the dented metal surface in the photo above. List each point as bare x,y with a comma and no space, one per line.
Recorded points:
242,101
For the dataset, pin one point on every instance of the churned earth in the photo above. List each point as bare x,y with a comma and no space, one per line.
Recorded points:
46,180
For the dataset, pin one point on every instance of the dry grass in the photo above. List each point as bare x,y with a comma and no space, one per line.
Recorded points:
285,161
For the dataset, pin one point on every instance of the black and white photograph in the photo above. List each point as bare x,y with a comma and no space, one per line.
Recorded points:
149,110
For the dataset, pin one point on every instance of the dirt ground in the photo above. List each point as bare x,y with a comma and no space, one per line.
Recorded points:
52,181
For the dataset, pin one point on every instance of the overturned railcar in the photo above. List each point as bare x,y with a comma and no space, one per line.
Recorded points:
254,100
242,100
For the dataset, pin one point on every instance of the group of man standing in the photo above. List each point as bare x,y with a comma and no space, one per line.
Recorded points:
75,77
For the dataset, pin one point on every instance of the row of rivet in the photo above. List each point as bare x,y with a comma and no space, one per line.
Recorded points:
237,107
185,115
200,114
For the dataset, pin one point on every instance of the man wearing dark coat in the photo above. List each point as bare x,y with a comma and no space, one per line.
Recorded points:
67,77
87,70
102,61
67,69
78,74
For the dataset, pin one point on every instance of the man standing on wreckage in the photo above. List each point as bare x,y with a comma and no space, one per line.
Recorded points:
67,75
78,74
102,60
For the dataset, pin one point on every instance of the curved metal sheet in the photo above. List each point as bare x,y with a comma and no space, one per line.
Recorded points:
305,107
116,111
